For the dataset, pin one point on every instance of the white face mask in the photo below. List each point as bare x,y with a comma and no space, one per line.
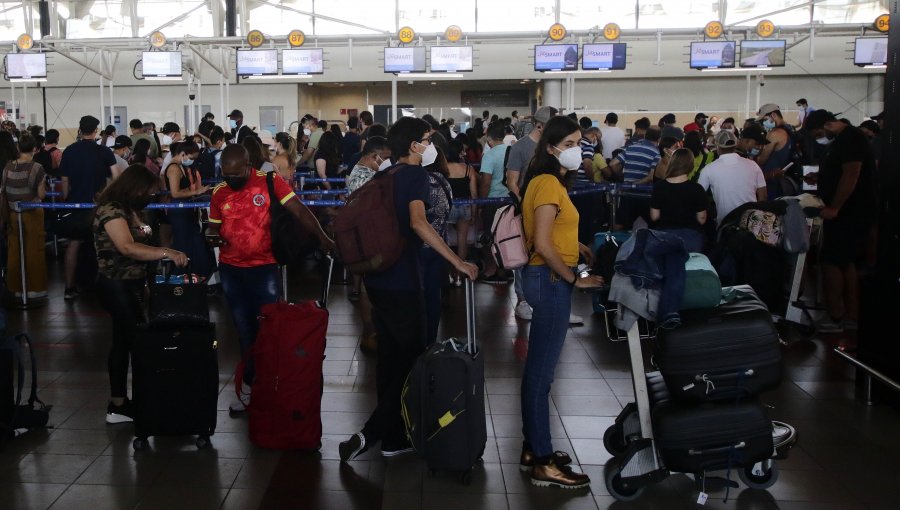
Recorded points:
823,140
165,140
429,155
384,165
769,124
570,158
306,131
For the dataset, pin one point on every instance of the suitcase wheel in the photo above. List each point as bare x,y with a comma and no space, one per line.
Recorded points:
614,440
203,443
619,489
761,475
139,444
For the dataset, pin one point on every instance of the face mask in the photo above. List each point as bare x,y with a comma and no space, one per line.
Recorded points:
570,158
429,155
236,182
384,165
769,124
187,162
823,140
165,140
232,123
754,152
702,123
126,155
306,131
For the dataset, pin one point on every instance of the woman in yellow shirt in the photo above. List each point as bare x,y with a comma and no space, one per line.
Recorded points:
551,229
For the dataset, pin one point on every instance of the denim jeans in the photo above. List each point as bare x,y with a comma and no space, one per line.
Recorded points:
693,239
246,290
434,269
655,259
551,299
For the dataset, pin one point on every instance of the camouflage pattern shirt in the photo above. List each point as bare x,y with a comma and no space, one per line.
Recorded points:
110,262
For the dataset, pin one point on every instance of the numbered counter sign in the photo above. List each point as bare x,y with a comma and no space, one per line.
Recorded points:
557,32
296,38
883,23
714,29
453,33
255,38
406,35
25,42
765,28
611,31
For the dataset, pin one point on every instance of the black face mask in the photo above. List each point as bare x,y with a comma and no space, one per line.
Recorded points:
236,182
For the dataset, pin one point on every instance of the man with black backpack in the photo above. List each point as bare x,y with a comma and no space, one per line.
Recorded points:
49,156
208,163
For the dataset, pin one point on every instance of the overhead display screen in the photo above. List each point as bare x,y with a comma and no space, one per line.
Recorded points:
870,51
257,62
712,55
451,59
556,57
410,59
301,61
763,53
26,66
603,56
162,64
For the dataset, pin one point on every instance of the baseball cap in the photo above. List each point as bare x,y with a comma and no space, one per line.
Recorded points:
122,141
236,114
755,133
725,138
170,127
818,118
767,109
701,116
88,124
544,114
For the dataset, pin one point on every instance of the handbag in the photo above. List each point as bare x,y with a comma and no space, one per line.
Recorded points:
177,300
290,241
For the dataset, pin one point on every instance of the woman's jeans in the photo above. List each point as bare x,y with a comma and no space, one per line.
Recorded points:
123,300
551,299
434,276
246,290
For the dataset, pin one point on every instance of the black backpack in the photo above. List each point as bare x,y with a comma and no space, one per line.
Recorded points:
14,415
44,158
291,242
206,164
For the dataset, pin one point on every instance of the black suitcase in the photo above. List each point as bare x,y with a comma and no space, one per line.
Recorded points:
720,353
175,374
443,402
693,438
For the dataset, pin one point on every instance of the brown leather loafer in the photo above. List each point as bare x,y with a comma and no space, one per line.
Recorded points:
547,475
526,461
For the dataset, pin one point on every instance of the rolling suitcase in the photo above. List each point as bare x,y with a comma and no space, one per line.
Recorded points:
693,438
730,351
175,383
286,397
443,401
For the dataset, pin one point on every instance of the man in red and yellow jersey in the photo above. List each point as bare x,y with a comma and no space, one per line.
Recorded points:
240,223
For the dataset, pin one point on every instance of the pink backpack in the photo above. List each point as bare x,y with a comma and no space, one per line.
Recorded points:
508,238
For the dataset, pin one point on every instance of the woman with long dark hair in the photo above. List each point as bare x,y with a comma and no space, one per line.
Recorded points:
140,155
328,157
461,177
285,159
434,266
551,230
121,241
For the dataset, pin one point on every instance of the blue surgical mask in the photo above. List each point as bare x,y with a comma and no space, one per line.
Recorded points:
754,152
769,124
187,162
232,123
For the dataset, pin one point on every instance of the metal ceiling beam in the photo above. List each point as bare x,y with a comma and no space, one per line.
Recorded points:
100,72
779,11
176,19
326,18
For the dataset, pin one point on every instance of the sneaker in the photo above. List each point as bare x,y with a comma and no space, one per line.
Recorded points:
353,447
495,279
70,294
827,325
524,311
547,475
119,414
576,319
849,325
239,405
395,451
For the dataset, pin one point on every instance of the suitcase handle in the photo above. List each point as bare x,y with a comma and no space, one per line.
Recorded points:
325,290
472,341
721,449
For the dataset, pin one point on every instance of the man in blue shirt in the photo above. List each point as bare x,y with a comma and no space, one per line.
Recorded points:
490,185
86,168
635,166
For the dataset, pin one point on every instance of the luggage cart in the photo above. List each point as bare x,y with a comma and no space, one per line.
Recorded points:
636,461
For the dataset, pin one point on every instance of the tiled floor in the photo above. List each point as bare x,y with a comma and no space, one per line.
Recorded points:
846,459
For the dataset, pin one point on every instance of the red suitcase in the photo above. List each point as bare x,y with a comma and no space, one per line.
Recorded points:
286,396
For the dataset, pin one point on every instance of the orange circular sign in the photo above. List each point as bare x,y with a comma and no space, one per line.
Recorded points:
406,35
157,39
765,28
255,38
453,33
25,42
296,38
883,23
714,29
557,32
611,31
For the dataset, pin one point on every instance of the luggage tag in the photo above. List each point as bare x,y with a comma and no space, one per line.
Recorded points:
701,499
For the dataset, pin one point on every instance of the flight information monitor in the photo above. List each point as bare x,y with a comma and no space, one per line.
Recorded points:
161,64
257,62
712,55
303,61
26,66
603,56
870,51
407,59
763,53
556,57
451,59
